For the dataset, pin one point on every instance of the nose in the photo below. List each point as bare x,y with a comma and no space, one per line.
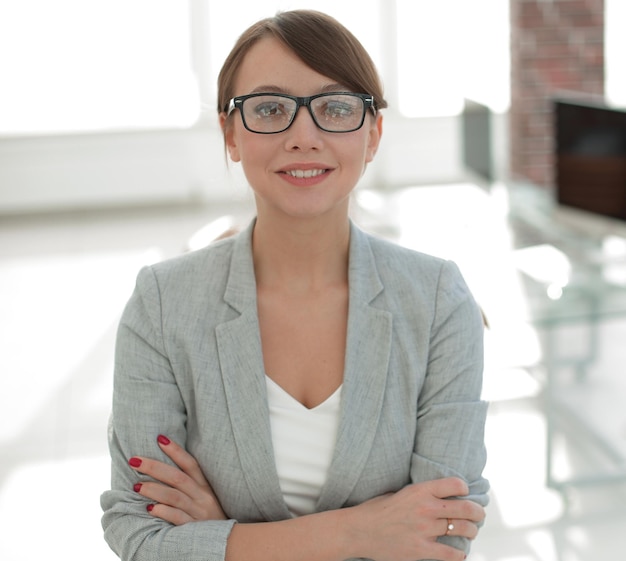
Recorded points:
303,134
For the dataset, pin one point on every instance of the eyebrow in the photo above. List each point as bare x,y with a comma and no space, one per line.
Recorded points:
275,89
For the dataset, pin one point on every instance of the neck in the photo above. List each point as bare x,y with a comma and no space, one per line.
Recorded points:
301,256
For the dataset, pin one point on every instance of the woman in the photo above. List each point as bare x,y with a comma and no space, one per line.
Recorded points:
301,390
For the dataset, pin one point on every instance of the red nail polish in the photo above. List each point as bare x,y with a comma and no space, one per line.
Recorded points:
150,507
134,462
137,487
163,440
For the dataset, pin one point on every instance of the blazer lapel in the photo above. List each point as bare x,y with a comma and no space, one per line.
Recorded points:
241,361
365,376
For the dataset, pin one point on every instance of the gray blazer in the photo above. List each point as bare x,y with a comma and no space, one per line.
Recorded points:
189,365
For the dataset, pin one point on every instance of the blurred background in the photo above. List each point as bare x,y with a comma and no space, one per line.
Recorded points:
504,149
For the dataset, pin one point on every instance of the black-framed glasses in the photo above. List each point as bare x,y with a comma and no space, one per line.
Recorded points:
270,113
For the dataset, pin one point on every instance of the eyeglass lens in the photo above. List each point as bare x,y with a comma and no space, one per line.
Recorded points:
275,113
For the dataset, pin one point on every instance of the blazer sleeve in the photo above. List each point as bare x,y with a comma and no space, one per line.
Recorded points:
451,416
146,403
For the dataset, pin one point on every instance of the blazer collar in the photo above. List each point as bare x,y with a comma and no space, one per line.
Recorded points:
365,283
365,373
240,290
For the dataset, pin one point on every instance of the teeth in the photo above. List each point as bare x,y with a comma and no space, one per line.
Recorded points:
301,173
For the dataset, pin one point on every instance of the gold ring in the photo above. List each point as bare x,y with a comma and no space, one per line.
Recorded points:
450,527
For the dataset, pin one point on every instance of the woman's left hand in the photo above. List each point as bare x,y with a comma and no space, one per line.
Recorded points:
181,494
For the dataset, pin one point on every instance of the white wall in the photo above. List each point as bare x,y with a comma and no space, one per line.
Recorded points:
41,173
86,170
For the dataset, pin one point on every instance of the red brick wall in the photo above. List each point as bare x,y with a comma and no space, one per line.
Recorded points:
556,46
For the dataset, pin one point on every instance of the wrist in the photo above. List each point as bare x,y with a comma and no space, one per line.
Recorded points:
354,532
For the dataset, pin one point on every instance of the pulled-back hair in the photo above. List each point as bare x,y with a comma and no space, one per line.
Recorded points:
320,41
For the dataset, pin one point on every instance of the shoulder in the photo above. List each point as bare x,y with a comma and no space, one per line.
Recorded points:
208,260
190,278
395,261
413,276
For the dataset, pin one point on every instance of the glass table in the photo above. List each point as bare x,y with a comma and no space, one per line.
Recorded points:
572,269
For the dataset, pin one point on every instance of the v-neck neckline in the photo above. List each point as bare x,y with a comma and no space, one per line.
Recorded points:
284,398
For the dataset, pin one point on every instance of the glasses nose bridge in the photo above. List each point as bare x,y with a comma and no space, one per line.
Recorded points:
304,102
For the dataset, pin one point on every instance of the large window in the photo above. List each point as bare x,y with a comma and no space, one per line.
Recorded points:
450,50
615,49
84,65
77,65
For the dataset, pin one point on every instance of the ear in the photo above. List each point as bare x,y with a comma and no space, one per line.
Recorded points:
375,134
229,138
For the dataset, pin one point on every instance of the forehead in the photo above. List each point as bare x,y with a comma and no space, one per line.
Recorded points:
270,65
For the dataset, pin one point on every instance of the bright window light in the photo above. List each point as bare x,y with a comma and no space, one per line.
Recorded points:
450,50
615,47
91,65
362,22
83,65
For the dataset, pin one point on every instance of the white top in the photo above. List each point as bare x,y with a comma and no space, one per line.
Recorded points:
304,441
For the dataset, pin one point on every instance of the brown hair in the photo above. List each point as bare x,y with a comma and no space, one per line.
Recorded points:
320,41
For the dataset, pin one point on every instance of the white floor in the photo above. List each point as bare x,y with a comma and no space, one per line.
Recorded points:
65,278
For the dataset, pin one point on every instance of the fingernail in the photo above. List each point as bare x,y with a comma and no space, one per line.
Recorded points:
150,507
137,487
163,440
134,462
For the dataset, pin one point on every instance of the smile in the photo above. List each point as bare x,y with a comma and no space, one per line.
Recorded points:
308,173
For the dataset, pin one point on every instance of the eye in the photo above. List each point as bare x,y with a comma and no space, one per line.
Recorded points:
269,110
339,109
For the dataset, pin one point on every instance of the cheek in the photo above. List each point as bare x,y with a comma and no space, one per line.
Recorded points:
244,146
256,157
358,152
255,151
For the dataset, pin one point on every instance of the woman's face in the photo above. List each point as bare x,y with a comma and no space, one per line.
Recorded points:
303,171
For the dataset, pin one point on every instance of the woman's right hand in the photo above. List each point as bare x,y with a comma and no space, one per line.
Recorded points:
180,493
405,525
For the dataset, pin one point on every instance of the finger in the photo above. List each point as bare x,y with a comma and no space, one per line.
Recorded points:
169,514
463,509
166,495
460,528
183,459
460,510
449,487
164,473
